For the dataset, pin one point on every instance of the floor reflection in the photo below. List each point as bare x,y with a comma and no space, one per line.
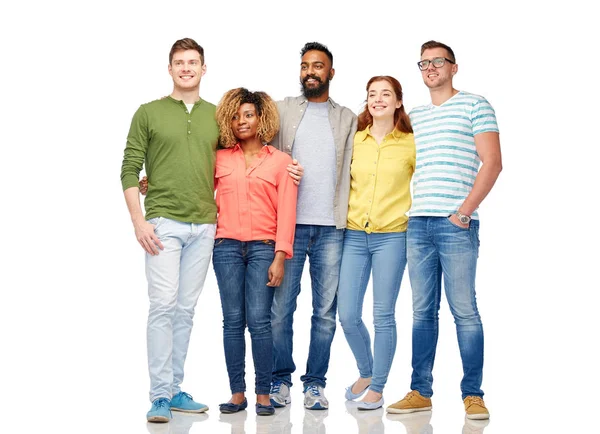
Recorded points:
369,421
414,423
279,423
314,421
180,424
236,420
475,426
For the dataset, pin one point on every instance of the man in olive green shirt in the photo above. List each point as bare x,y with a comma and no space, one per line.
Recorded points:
176,138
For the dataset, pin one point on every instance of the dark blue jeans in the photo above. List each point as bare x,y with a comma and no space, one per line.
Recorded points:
323,246
242,269
437,248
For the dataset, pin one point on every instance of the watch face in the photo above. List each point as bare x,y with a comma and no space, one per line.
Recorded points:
464,219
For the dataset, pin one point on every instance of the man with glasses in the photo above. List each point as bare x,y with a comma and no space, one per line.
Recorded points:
458,162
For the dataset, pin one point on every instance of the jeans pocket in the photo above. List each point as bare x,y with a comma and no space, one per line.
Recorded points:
456,226
219,241
156,221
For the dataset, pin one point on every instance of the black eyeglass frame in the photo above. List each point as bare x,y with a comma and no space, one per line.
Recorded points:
420,63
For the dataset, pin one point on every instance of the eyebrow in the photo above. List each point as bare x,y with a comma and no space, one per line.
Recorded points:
318,62
382,90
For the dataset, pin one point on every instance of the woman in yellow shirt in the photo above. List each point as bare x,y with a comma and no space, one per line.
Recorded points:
383,162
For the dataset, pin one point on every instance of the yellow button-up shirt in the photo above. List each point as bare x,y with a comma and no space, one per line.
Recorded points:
380,182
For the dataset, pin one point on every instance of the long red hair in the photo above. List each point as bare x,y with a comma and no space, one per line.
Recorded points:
401,119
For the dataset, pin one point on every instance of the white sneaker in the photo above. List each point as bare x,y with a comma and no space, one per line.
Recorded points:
280,394
314,398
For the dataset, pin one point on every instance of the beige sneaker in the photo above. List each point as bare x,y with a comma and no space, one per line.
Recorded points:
475,408
413,401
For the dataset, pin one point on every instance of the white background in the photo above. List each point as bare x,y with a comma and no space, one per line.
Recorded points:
73,292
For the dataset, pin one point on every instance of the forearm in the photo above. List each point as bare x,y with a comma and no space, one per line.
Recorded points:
484,181
132,198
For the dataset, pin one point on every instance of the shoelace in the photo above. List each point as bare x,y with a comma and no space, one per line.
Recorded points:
162,402
187,395
275,387
314,390
476,400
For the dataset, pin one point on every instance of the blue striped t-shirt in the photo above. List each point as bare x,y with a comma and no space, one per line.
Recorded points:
447,160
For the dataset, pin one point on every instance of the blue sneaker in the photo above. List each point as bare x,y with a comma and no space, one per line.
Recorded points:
184,402
160,411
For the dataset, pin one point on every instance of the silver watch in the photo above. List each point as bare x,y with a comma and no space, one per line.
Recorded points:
464,219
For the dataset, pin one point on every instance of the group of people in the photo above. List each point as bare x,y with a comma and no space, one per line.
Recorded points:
260,185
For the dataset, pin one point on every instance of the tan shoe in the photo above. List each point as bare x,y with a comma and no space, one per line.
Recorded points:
475,408
413,401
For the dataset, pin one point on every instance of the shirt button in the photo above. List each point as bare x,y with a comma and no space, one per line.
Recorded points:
189,132
368,229
189,120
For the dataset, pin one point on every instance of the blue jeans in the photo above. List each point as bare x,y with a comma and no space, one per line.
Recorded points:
323,245
385,254
436,248
175,279
242,271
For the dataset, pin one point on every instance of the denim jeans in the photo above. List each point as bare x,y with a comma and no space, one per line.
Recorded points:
323,245
242,271
385,254
175,279
436,248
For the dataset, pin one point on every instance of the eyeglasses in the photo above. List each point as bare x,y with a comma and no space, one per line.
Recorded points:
437,62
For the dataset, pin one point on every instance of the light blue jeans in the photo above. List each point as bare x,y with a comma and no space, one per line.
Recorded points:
438,248
175,279
385,255
323,246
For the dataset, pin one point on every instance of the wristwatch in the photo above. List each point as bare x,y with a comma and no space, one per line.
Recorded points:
464,219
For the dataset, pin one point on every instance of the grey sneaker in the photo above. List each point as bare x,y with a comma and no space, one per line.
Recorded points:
314,398
280,394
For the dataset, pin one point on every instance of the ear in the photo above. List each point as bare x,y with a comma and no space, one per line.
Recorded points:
331,73
170,70
454,69
399,104
203,70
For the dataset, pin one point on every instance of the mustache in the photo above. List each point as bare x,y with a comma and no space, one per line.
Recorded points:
314,77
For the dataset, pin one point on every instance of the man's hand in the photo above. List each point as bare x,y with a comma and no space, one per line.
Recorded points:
144,185
276,270
144,232
457,222
296,171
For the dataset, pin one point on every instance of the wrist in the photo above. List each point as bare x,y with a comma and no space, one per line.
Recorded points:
465,219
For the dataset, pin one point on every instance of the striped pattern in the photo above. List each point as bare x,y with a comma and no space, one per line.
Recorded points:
447,160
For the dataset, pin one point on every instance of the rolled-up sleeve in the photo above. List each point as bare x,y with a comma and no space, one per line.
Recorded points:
287,196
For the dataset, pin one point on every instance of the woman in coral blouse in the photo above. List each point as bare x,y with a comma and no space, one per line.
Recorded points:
383,161
256,205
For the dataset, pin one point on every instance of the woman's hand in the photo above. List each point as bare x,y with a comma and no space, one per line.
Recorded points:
276,270
144,185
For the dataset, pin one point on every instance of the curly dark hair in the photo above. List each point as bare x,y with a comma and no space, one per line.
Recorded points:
266,109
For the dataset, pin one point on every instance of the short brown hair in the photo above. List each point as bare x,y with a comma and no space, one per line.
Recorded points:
266,110
186,44
435,44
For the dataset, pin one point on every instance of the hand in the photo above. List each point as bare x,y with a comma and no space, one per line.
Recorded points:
296,171
457,222
276,270
144,185
144,232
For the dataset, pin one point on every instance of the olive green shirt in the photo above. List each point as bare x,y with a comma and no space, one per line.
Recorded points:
178,150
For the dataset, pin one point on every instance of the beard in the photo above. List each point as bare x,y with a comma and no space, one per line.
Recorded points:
314,92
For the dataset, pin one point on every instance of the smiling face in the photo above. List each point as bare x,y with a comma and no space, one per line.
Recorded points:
186,69
315,72
245,122
435,78
381,100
